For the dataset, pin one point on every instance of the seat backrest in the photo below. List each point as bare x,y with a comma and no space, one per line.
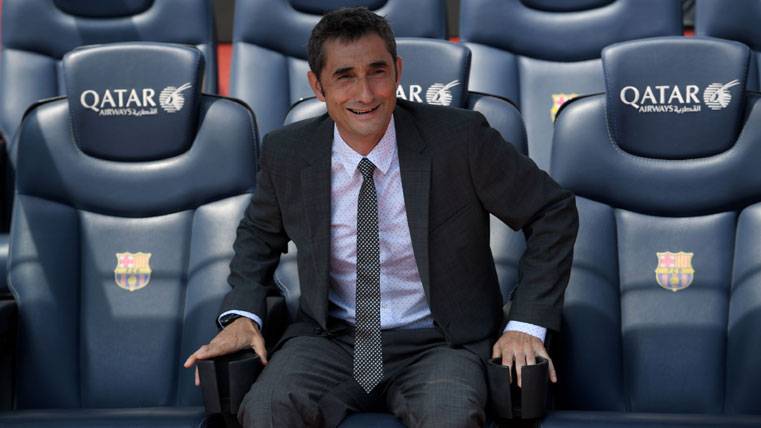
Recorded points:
270,38
738,22
664,302
540,53
435,72
38,33
127,197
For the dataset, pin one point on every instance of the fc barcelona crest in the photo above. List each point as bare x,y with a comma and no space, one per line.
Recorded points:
133,270
557,101
674,271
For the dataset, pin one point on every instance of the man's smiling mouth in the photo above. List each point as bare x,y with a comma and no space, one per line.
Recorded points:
356,111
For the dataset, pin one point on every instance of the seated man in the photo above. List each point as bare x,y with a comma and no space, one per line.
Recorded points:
388,203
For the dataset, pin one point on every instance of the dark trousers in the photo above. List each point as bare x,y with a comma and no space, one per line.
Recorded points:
308,383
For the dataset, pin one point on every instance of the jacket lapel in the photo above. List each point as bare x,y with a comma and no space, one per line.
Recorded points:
415,168
315,182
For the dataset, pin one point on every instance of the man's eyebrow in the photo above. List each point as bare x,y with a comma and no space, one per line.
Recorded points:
342,70
375,64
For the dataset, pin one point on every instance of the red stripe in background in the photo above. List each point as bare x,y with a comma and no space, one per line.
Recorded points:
224,58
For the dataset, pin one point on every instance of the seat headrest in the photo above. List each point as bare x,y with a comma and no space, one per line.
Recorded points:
324,6
434,71
675,97
566,5
103,9
133,101
568,30
739,22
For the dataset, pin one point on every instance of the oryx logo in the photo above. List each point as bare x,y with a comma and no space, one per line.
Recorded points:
717,96
440,94
171,98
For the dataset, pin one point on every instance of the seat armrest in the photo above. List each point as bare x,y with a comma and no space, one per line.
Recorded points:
8,324
225,380
507,400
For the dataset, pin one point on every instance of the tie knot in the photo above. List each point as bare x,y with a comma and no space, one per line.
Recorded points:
366,168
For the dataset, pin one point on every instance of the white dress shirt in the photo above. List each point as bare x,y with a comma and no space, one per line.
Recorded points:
403,302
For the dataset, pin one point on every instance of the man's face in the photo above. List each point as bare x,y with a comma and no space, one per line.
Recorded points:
358,84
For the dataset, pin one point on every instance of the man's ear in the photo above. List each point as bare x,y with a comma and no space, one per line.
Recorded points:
316,86
399,67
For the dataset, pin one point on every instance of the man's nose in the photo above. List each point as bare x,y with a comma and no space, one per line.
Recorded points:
364,90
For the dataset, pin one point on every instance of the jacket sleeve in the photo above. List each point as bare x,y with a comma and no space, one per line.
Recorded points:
260,240
512,188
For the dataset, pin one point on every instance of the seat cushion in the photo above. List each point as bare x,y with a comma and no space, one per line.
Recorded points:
165,417
634,420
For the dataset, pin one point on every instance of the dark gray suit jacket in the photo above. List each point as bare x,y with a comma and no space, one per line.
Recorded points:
455,170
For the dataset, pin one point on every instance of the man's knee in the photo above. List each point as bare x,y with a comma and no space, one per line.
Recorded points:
447,404
277,404
255,410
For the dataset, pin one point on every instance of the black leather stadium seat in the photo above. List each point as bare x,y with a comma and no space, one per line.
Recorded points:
38,33
435,71
738,22
128,194
662,312
540,53
270,46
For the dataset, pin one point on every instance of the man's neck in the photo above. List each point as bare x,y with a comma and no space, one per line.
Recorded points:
363,148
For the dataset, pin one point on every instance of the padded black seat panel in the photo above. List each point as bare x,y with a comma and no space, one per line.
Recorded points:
120,252
163,417
539,54
739,23
664,287
270,38
645,420
38,33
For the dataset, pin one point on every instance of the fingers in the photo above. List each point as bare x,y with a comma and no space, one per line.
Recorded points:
520,361
259,348
553,374
551,366
198,378
195,356
522,349
498,351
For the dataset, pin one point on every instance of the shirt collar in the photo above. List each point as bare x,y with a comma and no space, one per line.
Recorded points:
381,155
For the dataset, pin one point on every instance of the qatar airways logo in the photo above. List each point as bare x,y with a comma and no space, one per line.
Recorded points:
678,99
134,102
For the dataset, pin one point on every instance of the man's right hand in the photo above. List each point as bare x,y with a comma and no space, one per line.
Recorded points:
240,334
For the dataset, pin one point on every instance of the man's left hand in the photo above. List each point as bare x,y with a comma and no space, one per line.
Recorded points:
522,349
